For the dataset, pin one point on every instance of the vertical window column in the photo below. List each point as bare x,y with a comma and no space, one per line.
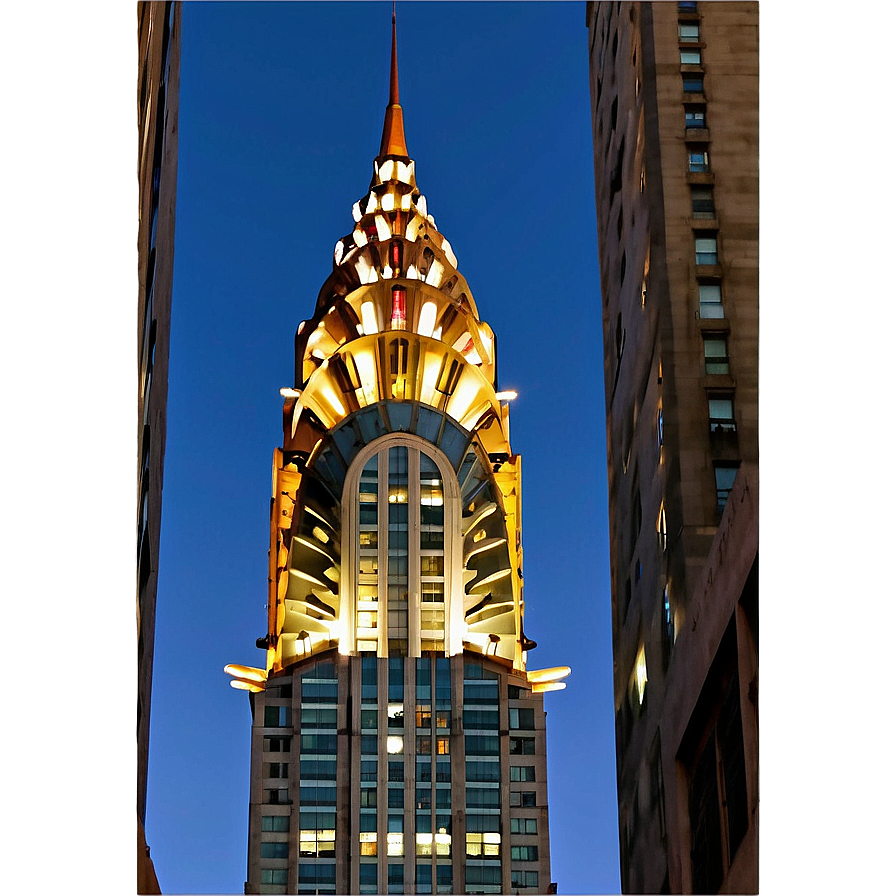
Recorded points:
397,570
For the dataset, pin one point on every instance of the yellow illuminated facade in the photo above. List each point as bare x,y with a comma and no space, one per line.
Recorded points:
399,740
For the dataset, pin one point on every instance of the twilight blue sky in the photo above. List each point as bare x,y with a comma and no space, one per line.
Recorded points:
281,110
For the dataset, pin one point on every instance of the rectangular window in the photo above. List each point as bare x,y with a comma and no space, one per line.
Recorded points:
706,250
721,414
478,771
702,205
725,476
710,301
524,799
482,798
369,769
694,117
368,797
318,718
275,822
690,57
688,32
715,354
278,796
522,772
523,825
481,719
485,744
273,875
483,844
278,770
277,717
322,743
522,718
524,853
692,83
698,160
275,850
522,879
522,746
277,744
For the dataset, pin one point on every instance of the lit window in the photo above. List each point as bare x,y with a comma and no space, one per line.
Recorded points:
690,57
394,744
694,117
710,301
688,32
702,205
367,843
725,475
483,844
639,676
661,527
698,160
715,353
706,249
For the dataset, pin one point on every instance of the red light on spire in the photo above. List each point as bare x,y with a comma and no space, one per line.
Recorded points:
399,308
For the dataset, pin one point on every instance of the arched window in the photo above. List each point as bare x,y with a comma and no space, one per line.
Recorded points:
401,551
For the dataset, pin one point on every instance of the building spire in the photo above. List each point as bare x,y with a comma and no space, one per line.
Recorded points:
393,143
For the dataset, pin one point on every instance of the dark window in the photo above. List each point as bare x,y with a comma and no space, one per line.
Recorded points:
276,716
692,83
523,799
725,475
275,822
702,205
524,853
522,746
275,850
278,770
522,718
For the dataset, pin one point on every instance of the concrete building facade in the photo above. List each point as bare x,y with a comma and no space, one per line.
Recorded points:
674,90
398,739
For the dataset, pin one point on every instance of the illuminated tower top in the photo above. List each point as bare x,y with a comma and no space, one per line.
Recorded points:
395,519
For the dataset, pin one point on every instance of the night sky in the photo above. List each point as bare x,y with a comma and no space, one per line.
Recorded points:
281,111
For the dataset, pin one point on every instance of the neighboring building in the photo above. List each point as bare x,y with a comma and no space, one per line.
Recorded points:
159,75
398,742
674,91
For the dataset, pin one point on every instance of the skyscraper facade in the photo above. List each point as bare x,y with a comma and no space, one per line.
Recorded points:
398,740
158,33
674,90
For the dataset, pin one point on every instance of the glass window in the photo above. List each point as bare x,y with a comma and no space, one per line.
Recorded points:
702,205
275,822
277,796
694,117
690,57
275,850
478,770
698,160
715,353
481,719
522,799
707,250
277,716
522,772
278,770
710,301
277,744
483,844
273,875
483,798
523,825
522,746
721,414
692,83
522,879
484,744
688,32
725,476
524,853
523,718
